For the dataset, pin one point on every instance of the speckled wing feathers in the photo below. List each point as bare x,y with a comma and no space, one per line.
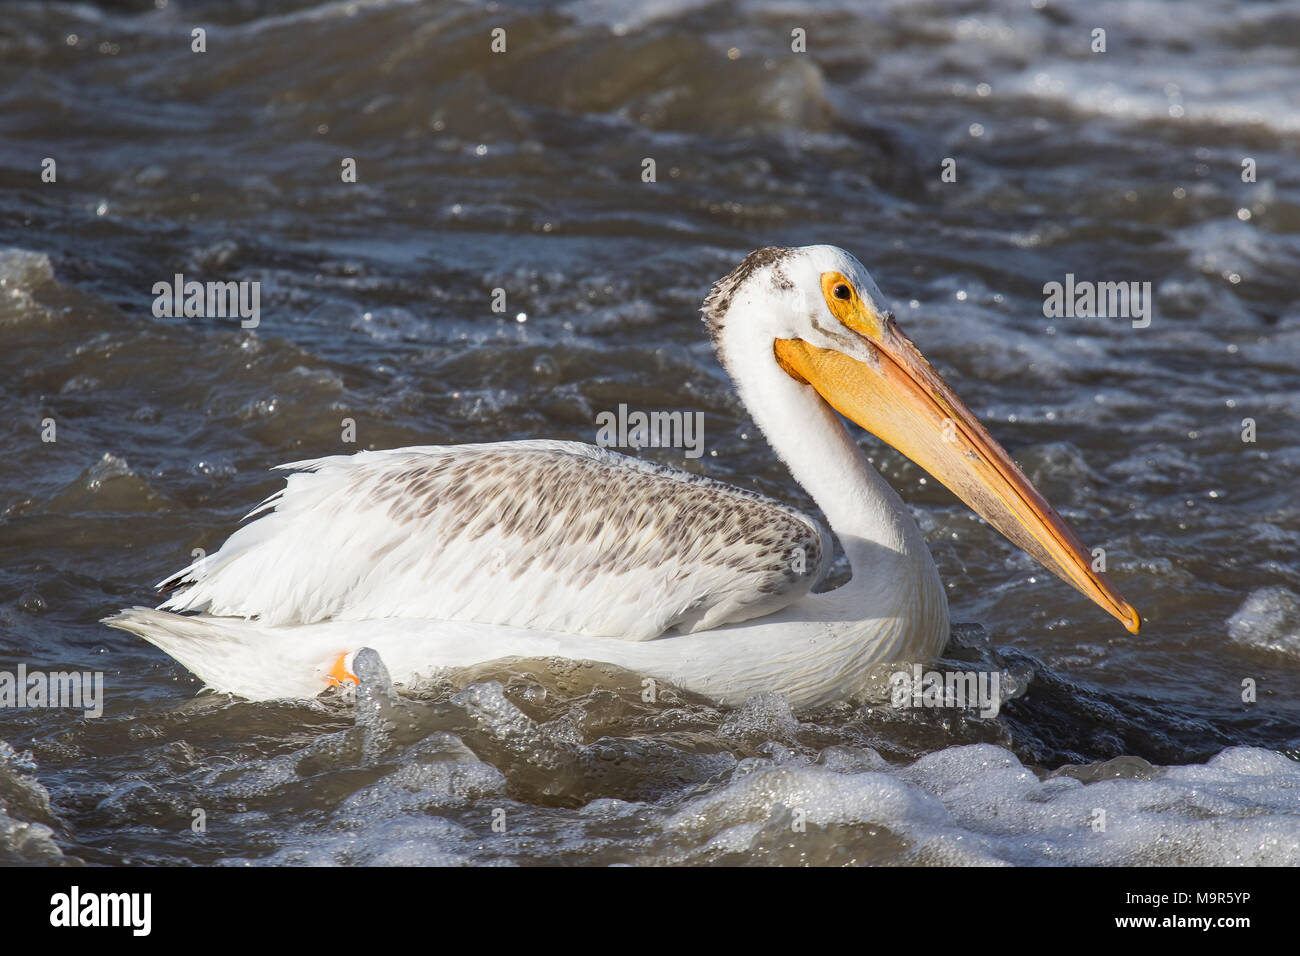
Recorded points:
545,535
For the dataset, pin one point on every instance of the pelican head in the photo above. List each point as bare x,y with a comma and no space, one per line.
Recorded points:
815,314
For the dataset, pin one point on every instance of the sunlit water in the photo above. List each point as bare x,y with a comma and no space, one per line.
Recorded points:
522,171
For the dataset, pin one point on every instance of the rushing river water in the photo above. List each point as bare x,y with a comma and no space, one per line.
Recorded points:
1173,446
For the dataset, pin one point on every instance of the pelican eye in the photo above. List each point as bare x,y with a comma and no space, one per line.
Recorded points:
846,305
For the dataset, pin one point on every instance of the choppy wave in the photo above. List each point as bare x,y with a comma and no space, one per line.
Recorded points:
522,172
520,773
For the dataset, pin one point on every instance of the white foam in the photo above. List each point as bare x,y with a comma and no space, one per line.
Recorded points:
21,273
429,799
25,837
1269,618
23,269
978,805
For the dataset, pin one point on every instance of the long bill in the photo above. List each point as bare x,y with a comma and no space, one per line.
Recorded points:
902,400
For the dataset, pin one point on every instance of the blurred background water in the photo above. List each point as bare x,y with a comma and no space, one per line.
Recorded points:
522,171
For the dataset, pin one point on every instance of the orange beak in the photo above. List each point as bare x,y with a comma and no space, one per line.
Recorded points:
902,400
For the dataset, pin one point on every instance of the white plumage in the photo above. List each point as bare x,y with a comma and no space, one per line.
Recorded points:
544,535
441,557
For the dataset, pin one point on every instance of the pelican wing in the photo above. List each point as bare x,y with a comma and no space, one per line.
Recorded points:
546,535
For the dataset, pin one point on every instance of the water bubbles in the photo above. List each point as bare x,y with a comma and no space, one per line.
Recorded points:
764,716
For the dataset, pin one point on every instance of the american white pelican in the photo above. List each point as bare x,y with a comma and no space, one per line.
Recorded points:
447,556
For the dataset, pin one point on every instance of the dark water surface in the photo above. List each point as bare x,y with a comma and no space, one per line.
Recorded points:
522,171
